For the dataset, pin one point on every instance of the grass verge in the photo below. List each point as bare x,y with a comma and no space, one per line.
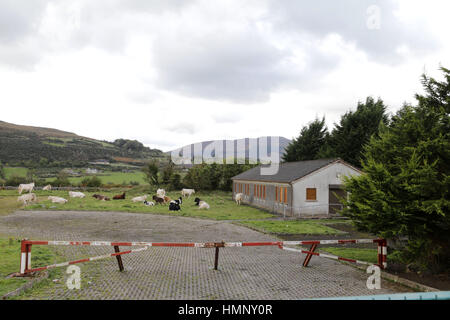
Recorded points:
362,254
10,262
292,226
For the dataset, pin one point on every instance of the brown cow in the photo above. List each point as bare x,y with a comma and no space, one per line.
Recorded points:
119,197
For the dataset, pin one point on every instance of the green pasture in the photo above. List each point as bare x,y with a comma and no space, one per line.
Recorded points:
107,177
292,227
222,207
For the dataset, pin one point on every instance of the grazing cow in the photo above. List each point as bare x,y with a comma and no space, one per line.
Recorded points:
119,197
161,193
101,197
140,199
187,192
74,194
238,198
158,199
57,199
29,197
47,188
26,187
173,206
177,201
203,205
151,203
197,200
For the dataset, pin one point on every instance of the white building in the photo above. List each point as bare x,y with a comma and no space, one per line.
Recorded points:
300,189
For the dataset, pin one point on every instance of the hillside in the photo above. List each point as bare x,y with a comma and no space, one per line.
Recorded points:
23,145
283,144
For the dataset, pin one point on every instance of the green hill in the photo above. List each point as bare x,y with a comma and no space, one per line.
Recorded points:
26,145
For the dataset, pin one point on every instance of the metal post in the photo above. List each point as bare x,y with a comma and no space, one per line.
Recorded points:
309,255
119,258
216,259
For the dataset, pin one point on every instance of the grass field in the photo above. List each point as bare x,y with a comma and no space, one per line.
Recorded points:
10,262
112,177
107,177
362,254
222,207
292,226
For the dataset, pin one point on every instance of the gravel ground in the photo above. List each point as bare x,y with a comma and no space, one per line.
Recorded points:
182,273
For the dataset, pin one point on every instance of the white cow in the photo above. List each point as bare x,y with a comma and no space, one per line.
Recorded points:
74,194
29,197
151,203
57,199
203,205
47,188
161,193
238,198
187,192
139,199
26,187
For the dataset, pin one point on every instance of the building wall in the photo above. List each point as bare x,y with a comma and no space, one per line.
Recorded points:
320,180
269,202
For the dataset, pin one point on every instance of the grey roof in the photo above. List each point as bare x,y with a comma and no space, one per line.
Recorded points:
287,172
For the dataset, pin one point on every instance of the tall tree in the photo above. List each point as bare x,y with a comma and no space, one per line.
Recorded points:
405,190
309,144
167,173
355,129
151,171
2,171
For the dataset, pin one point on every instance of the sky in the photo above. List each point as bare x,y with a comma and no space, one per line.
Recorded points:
170,73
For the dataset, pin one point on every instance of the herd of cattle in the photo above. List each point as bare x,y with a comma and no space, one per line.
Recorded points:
160,197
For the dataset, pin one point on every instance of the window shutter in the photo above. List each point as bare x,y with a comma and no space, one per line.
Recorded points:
311,194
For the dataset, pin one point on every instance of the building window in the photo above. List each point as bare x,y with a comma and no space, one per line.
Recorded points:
264,189
311,194
276,193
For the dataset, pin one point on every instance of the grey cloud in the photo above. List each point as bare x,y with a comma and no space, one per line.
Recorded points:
235,67
182,128
349,19
19,18
226,118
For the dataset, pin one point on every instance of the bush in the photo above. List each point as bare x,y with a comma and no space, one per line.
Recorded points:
15,180
93,182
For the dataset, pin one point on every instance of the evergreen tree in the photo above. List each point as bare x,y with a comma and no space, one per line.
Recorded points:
2,171
151,171
355,129
309,144
405,189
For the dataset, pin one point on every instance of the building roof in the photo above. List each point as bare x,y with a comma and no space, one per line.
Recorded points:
287,172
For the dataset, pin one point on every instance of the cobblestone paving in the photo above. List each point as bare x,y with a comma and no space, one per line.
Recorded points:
182,273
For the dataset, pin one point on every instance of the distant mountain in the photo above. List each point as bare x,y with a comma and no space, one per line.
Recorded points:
196,151
26,144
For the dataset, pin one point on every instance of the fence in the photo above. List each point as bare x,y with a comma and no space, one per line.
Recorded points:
26,246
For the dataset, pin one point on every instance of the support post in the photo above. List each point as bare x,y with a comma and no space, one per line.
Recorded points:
216,259
309,255
25,256
119,258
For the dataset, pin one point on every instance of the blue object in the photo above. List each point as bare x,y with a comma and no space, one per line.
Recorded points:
438,295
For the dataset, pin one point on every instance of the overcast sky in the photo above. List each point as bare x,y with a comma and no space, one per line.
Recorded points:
173,72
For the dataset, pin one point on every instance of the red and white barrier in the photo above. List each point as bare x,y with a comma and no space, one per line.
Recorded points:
25,262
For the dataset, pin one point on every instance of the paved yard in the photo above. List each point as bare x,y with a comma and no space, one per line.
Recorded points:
182,273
